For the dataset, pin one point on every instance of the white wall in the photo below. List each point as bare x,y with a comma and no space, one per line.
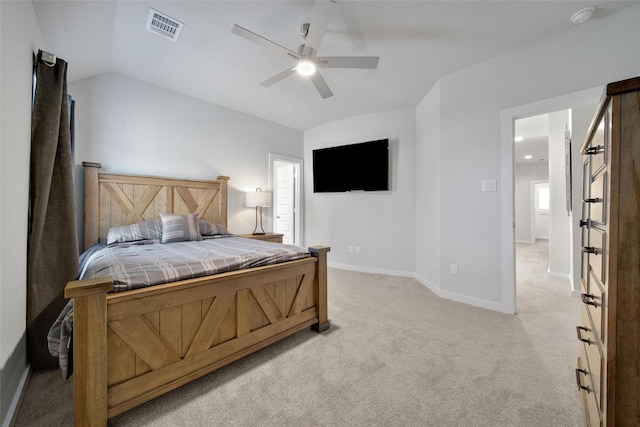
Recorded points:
476,228
560,225
428,188
381,223
134,127
524,175
19,38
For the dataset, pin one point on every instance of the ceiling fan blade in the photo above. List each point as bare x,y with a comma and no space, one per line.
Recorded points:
251,36
368,62
322,12
281,75
321,85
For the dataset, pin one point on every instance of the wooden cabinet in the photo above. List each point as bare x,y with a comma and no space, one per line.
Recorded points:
608,371
268,237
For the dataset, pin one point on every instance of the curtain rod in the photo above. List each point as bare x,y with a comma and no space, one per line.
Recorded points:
47,57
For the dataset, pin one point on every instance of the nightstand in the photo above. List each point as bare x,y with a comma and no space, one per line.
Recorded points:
268,237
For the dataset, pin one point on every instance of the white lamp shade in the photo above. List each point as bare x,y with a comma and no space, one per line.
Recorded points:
259,198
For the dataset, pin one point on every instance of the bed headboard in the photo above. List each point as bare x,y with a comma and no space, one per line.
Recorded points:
114,199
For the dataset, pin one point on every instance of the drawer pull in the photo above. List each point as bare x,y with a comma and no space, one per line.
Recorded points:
594,200
594,150
588,299
591,250
580,386
584,222
579,333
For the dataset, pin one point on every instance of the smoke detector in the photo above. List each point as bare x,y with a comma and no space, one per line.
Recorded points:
582,15
161,24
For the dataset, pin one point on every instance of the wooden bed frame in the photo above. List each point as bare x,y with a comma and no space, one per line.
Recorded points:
130,347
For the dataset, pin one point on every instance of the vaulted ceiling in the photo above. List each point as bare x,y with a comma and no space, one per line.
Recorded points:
418,42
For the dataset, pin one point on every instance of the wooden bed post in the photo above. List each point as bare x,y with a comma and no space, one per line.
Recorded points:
320,252
224,188
89,349
91,204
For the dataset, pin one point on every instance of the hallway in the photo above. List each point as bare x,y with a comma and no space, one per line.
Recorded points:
536,290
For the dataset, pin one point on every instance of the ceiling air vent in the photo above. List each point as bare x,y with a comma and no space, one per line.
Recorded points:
161,24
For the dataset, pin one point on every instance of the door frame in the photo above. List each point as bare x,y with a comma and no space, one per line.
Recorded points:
298,212
507,176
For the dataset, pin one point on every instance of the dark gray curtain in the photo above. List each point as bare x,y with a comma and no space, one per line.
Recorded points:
52,245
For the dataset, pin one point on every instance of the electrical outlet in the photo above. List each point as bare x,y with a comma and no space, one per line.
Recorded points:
350,249
453,269
357,249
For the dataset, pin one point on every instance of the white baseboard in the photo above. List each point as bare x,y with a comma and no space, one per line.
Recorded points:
360,269
476,302
17,397
559,275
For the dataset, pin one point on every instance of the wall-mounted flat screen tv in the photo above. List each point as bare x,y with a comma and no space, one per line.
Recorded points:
354,167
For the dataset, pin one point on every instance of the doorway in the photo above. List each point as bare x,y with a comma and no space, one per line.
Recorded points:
583,104
540,194
285,180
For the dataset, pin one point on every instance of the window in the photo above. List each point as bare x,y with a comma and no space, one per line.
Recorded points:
542,198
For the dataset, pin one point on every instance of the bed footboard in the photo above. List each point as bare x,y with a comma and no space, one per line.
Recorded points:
133,346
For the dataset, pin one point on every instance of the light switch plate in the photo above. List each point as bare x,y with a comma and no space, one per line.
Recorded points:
489,185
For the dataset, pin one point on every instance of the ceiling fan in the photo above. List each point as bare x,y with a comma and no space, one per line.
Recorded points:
306,60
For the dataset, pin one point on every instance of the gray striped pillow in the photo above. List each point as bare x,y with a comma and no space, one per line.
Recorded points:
210,229
147,230
179,228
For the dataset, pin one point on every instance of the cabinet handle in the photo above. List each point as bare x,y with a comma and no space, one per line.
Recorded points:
590,250
594,150
584,222
578,332
588,299
593,200
580,386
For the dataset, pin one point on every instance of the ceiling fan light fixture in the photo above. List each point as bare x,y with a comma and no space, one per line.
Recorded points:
306,67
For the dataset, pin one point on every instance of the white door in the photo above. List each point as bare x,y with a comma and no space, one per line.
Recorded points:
285,180
284,206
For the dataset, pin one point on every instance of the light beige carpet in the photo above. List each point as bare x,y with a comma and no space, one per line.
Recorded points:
396,355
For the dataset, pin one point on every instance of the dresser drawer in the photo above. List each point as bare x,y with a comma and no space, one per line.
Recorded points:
597,149
595,251
585,275
597,199
593,297
592,412
594,304
585,331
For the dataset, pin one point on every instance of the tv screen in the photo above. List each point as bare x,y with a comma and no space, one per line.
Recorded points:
354,167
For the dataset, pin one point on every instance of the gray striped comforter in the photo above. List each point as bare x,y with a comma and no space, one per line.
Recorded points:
137,266
134,266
